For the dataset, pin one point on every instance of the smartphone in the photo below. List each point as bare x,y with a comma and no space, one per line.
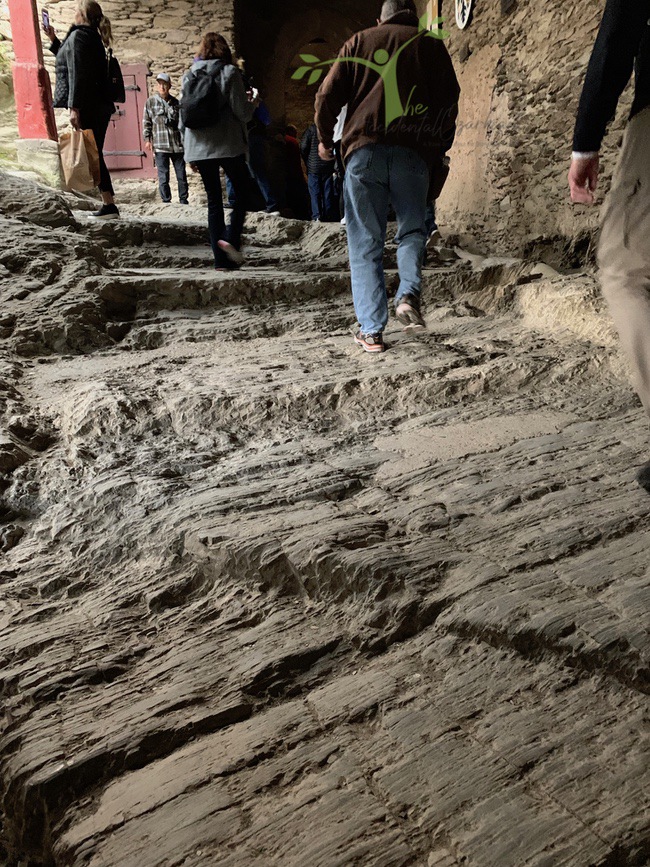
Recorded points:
45,15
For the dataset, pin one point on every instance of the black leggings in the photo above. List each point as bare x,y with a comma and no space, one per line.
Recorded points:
98,123
237,173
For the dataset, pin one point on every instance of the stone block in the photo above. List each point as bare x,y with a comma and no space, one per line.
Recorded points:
41,156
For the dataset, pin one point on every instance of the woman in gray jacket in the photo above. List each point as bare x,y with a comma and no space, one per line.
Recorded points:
221,145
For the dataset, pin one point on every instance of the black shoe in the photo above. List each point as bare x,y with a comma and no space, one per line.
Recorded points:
107,212
369,342
407,310
643,477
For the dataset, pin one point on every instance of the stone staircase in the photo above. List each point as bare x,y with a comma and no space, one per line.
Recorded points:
277,601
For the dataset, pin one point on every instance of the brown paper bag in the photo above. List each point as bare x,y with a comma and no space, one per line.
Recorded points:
93,154
74,161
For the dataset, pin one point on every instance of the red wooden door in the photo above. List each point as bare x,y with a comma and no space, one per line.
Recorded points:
124,148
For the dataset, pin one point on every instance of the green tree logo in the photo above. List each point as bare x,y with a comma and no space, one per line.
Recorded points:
382,63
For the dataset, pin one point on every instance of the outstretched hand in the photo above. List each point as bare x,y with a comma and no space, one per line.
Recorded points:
583,179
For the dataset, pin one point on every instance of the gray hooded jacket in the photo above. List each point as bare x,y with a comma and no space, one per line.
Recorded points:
227,137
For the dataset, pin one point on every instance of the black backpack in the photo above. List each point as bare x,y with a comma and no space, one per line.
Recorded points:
202,99
116,89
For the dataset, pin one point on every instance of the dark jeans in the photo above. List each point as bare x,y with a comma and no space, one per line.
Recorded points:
162,165
298,198
431,218
324,204
237,172
258,162
98,122
253,195
339,177
259,183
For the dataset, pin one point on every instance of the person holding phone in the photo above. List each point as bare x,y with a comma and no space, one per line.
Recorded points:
82,83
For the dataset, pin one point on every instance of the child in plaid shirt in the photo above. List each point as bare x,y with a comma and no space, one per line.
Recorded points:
161,135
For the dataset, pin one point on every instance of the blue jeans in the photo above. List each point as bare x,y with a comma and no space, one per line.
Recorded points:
162,165
375,177
322,193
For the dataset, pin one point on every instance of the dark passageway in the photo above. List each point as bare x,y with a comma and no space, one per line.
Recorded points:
271,37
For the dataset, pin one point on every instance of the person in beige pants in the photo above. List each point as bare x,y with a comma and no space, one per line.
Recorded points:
623,42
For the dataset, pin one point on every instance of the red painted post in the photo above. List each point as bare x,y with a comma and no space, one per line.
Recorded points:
32,89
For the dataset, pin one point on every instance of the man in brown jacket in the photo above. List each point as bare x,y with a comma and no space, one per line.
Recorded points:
402,96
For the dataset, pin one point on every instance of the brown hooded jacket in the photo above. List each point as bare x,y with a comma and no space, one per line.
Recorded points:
418,86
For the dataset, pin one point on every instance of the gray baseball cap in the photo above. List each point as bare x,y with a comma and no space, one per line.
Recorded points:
162,76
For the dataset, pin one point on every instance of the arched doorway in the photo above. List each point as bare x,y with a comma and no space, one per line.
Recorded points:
270,37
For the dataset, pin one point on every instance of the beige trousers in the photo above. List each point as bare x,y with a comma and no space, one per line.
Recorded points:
624,250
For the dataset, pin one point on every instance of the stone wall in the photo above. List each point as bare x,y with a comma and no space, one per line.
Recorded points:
521,75
163,34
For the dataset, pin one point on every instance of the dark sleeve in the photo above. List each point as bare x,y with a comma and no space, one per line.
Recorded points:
612,60
239,103
76,73
334,93
55,45
305,144
445,82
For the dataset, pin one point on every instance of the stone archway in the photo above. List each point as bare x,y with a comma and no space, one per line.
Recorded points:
318,32
270,39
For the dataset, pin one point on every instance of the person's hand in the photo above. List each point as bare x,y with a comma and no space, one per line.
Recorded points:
253,96
583,179
194,167
324,153
148,146
74,118
50,32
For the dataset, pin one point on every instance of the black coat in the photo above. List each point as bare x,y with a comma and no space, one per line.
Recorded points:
623,44
82,72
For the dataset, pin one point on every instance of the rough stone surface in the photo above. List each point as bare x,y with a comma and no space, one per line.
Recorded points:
33,202
41,156
269,600
8,121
